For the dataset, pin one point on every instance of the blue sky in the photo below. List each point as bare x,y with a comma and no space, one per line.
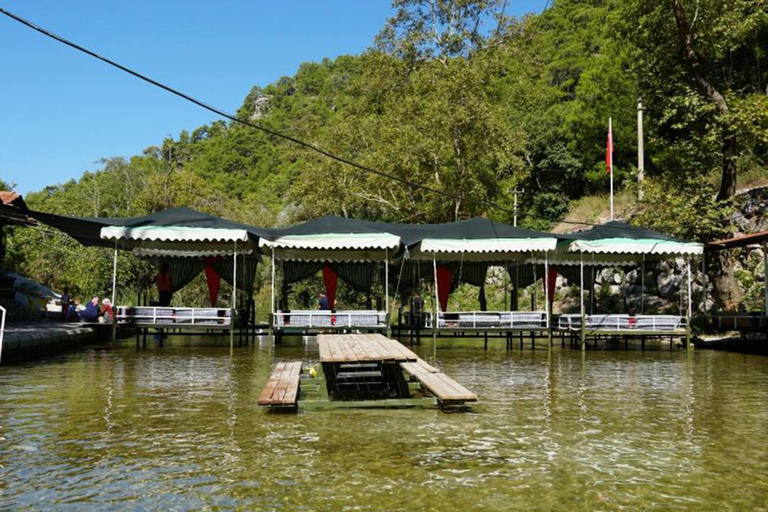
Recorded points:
62,111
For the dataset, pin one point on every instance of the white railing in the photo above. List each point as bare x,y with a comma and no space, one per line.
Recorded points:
309,318
2,332
159,315
489,320
622,322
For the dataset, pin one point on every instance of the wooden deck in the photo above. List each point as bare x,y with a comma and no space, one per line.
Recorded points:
447,390
359,348
282,388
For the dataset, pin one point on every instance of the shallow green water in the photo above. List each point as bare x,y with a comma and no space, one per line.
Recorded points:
176,428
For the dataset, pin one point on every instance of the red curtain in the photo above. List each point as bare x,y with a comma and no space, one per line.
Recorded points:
213,279
331,279
444,278
551,280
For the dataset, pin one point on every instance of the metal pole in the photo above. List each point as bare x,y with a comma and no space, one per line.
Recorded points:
435,321
690,309
640,151
642,286
234,301
610,159
386,280
546,287
690,298
273,281
581,300
114,288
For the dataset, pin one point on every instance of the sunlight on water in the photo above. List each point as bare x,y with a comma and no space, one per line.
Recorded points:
177,428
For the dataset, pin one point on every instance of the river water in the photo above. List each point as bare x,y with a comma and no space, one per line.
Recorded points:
177,428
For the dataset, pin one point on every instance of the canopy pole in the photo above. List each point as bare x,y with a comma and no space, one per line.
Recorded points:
435,321
535,283
114,294
591,295
690,307
642,286
234,301
386,279
581,300
547,309
273,286
704,281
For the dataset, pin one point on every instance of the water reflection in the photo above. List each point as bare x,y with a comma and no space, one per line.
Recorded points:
177,427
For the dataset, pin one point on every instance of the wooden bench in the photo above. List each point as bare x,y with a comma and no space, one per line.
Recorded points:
282,389
447,390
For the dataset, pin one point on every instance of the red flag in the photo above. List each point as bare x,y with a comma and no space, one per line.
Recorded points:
609,150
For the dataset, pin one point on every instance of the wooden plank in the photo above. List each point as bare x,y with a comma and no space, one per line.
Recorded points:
438,383
294,376
322,345
283,385
418,367
402,353
454,390
356,347
384,349
269,389
368,352
349,354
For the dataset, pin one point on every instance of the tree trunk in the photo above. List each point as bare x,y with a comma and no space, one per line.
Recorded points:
725,289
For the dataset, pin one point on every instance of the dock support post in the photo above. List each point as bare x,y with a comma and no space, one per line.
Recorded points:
114,288
435,319
581,300
234,302
689,311
547,303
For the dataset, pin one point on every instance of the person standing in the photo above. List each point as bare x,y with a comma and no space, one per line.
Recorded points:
66,299
323,302
164,291
417,308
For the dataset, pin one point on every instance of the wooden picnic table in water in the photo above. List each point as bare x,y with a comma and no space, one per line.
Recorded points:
359,348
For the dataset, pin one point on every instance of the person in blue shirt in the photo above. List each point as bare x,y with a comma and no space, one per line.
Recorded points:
324,304
91,312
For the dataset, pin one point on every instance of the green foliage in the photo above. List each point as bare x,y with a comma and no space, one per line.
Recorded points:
686,209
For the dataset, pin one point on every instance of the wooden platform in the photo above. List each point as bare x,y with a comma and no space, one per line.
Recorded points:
282,389
359,348
447,390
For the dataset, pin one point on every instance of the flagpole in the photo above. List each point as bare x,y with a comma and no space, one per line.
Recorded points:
610,159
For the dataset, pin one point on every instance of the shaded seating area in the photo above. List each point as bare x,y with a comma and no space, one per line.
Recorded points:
190,242
462,252
356,252
617,244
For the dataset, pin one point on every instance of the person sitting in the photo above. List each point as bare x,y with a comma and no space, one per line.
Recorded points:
107,313
164,291
91,311
72,314
323,302
66,299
